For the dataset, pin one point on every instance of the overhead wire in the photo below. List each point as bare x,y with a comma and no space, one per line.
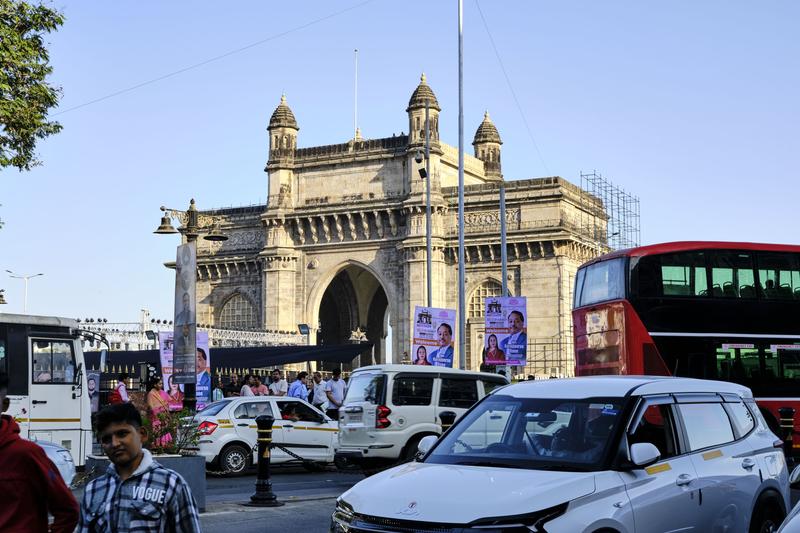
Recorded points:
511,87
213,59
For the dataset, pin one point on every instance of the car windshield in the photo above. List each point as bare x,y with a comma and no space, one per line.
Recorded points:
547,434
365,388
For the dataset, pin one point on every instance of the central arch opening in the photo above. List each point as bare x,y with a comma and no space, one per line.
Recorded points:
354,299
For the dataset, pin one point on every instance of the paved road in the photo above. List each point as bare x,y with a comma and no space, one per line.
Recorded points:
309,501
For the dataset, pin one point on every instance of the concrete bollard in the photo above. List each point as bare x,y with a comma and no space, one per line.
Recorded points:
263,496
448,418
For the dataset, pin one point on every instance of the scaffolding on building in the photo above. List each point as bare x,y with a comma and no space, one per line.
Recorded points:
617,226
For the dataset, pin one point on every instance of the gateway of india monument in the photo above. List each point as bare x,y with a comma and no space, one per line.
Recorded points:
340,243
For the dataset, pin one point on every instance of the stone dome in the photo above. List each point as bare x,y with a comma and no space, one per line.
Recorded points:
487,132
282,117
421,94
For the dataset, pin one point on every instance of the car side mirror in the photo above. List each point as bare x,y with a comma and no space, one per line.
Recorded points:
644,453
794,478
425,444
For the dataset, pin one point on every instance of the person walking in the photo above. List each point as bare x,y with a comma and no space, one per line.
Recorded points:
334,390
247,388
298,388
158,403
278,386
260,389
120,392
30,483
233,387
136,493
318,396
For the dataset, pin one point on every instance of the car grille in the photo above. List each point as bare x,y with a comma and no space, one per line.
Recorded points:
376,524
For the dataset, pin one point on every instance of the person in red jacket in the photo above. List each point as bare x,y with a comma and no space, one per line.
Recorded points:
30,484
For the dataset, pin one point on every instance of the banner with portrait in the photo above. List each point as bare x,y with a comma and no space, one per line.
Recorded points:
173,387
506,335
433,336
185,313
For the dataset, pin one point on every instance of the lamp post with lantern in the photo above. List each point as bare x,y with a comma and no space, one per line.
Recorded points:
193,224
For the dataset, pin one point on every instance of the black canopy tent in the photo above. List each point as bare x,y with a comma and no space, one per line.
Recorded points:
247,357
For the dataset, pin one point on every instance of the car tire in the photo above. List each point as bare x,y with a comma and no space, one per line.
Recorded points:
410,451
767,516
234,460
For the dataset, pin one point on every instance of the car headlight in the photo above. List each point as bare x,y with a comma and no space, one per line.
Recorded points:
342,517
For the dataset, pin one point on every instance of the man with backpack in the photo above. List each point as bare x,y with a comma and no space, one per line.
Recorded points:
120,392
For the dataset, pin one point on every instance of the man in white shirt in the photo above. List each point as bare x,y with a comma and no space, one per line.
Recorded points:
320,397
334,390
278,387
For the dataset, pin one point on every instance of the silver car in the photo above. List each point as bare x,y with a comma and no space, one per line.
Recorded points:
61,457
587,455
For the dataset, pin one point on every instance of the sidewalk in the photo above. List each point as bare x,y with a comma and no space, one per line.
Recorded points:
299,514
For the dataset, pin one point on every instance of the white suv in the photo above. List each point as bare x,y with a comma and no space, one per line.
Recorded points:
599,454
228,432
388,409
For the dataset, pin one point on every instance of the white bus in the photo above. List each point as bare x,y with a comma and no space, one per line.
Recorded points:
46,388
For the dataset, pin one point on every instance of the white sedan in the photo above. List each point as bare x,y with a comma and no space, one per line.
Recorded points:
300,433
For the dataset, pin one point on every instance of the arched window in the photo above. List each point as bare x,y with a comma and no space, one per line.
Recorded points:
238,313
477,303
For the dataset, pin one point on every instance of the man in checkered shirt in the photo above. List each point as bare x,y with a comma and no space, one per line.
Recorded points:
136,494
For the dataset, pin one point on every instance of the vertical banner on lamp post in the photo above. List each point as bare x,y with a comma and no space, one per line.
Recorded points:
506,339
185,341
433,336
203,379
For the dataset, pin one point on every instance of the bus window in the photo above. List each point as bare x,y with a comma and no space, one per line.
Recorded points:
732,275
53,362
604,281
778,275
681,274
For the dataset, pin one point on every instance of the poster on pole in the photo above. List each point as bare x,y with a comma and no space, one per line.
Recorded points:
203,377
433,336
506,339
185,314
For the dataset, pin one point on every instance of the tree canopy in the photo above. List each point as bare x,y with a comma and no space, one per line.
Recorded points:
25,95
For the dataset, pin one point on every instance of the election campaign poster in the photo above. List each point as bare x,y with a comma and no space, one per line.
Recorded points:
203,377
185,313
506,340
433,336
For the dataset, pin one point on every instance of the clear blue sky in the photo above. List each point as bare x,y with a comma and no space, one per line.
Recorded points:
690,105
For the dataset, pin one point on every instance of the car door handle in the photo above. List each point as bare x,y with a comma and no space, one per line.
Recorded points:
683,479
35,402
243,425
287,426
748,463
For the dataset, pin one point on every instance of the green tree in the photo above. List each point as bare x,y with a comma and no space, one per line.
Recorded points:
25,95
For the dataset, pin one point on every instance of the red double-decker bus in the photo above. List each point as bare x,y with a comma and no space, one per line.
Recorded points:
711,310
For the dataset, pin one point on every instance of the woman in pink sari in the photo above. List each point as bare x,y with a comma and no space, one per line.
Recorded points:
157,403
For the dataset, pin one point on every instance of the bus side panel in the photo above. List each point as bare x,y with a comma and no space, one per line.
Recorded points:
610,339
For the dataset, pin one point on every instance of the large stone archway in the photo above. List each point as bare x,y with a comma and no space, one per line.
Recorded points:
340,243
354,299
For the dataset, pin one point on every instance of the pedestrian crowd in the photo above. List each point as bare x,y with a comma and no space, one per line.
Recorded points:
324,395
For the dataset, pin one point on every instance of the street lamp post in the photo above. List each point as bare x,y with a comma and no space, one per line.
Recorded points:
26,278
192,225
425,173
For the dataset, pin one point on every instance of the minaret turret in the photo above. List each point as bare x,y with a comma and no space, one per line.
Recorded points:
487,148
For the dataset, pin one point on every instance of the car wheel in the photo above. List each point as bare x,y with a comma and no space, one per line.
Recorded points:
234,460
411,450
767,517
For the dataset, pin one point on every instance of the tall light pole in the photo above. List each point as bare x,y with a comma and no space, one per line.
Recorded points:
192,225
462,275
26,278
